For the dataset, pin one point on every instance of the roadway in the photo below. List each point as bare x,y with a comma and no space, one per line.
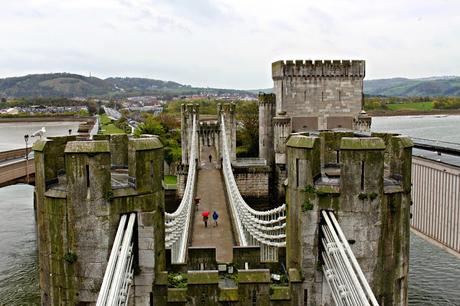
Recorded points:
211,191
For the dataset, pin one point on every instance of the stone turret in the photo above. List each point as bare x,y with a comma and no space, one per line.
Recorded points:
81,192
228,109
266,114
187,112
372,208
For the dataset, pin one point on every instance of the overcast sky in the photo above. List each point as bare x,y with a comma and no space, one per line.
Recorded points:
226,43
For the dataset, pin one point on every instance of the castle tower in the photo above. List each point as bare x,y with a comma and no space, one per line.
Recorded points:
373,215
266,114
79,202
319,95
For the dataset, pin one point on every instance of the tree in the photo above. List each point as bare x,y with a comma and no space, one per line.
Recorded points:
248,133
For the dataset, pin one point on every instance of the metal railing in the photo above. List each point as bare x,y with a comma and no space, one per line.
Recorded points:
177,224
263,228
341,269
118,277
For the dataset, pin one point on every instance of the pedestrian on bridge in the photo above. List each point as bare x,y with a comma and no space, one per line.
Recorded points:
215,216
205,215
210,158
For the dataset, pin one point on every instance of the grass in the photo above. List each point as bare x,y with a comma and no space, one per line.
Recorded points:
424,106
107,126
170,179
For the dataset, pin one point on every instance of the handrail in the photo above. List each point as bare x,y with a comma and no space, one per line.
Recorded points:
177,224
253,227
119,273
343,273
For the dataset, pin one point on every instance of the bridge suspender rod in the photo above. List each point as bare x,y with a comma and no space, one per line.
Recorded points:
356,266
177,224
341,267
102,298
253,227
122,263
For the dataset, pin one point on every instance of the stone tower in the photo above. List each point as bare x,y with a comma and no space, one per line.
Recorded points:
228,109
319,95
267,110
309,96
367,185
187,112
82,188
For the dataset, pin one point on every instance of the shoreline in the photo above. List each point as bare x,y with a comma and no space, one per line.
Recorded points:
390,113
44,119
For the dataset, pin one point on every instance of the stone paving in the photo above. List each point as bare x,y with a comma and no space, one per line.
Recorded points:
211,191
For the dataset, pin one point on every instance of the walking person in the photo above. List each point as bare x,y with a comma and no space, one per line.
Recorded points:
210,158
205,215
215,216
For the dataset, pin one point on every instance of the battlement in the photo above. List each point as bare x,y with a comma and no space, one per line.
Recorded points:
318,68
266,98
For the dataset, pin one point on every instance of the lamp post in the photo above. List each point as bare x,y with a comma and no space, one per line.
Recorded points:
26,139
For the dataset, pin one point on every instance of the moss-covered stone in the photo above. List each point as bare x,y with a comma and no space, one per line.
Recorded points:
300,141
161,278
202,277
177,295
228,295
254,276
148,143
99,146
280,293
368,143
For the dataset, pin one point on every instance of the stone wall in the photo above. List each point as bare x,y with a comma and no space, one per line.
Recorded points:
319,94
252,181
78,212
372,209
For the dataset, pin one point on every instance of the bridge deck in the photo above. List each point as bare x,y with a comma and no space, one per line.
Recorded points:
211,191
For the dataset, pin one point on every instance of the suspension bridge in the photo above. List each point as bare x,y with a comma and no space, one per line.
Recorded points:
265,229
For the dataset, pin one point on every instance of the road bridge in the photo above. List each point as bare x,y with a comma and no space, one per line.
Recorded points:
16,167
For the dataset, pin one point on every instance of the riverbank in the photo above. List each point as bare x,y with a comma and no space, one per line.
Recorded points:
392,113
44,119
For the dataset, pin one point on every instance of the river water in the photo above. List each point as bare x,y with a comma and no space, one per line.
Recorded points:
434,277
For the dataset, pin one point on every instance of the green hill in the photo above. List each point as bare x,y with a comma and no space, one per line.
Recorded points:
401,87
67,85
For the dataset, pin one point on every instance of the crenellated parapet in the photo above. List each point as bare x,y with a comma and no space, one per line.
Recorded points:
265,98
318,68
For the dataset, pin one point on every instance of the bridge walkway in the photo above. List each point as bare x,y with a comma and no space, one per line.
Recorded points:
211,191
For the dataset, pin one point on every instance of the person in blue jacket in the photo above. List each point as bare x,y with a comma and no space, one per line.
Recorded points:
215,216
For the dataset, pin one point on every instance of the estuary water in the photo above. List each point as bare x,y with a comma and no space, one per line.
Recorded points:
434,277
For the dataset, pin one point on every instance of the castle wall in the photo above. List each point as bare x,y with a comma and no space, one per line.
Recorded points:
252,181
372,209
78,211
